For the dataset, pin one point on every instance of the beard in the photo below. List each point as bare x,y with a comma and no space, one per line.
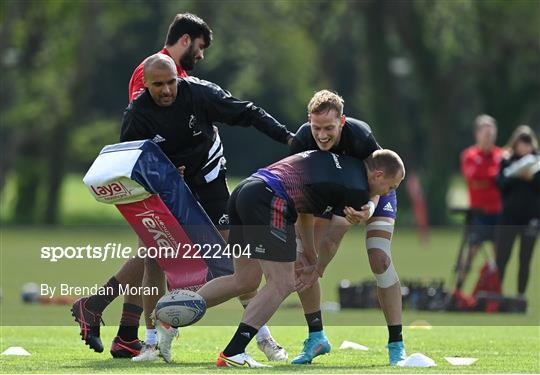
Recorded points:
188,60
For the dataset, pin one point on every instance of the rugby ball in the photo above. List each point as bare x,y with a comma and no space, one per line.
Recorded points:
180,308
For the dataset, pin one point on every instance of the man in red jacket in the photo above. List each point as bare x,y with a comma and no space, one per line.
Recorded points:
479,166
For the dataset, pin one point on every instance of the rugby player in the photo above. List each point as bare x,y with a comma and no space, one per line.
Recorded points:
330,130
187,38
263,210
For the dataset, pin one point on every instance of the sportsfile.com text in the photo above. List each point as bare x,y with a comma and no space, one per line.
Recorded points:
118,251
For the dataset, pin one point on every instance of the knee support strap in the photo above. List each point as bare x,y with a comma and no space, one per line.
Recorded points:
389,277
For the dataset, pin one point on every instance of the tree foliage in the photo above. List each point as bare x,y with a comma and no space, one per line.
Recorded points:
417,71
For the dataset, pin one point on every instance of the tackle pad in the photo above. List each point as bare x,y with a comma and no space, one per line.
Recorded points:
152,196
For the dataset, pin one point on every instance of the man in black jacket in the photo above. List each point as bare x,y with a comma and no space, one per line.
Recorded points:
178,115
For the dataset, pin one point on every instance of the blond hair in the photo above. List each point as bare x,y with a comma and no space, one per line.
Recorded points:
523,133
324,101
484,120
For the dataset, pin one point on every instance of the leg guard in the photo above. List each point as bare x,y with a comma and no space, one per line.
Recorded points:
379,237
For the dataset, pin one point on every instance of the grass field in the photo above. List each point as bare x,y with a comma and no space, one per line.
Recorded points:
502,342
498,349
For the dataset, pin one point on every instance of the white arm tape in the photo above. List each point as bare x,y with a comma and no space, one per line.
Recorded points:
371,206
299,247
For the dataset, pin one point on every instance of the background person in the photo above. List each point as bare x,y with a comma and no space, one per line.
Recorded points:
520,205
479,167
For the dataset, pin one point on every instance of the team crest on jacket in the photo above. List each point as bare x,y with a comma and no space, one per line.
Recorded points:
224,220
193,125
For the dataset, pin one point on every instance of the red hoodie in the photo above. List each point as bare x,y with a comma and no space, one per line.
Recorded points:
480,168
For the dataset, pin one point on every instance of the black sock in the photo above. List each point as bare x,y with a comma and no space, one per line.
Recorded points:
129,324
111,290
394,333
240,340
314,321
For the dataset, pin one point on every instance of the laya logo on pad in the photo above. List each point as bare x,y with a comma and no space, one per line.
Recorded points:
113,190
158,229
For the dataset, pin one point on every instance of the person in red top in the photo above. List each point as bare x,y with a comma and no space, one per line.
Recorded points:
479,166
187,38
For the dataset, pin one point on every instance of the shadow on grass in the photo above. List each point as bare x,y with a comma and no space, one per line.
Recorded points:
113,365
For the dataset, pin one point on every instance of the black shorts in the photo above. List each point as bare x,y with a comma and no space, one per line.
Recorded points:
263,221
213,197
482,228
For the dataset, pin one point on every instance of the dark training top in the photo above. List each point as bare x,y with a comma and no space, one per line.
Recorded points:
356,140
184,130
317,182
520,198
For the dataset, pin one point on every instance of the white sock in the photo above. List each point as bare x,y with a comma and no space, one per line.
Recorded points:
151,336
263,333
